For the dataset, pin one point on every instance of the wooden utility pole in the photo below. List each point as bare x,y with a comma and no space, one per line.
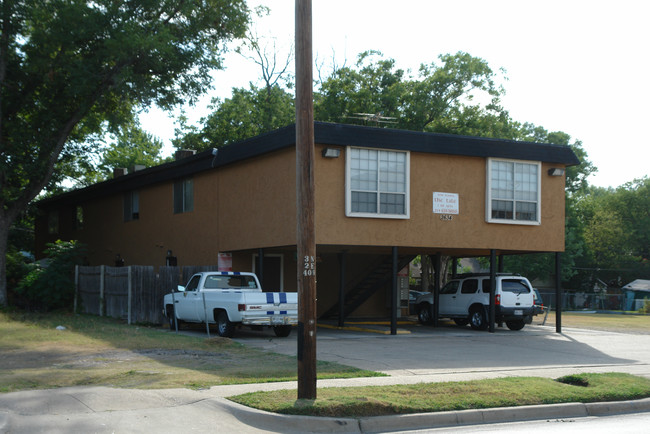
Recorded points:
306,234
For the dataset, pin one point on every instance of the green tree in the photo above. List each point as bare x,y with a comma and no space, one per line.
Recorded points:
127,146
69,67
247,113
51,286
449,94
373,86
132,146
617,230
458,96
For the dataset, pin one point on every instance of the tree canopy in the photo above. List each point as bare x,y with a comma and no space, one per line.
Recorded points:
247,113
69,68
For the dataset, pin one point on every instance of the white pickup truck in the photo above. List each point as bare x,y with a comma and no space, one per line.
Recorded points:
230,299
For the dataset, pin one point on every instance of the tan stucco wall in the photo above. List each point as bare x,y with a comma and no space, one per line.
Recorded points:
257,201
465,176
190,236
251,205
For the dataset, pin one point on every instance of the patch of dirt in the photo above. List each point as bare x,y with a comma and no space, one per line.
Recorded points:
51,356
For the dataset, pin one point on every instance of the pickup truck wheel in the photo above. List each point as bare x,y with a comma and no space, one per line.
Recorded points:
477,319
224,327
516,324
461,322
282,331
424,313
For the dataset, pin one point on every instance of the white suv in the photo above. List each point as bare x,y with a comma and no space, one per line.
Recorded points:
467,300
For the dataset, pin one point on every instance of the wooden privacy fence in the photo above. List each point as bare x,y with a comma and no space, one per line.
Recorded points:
134,293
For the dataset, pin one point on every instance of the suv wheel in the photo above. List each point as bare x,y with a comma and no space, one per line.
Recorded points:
477,319
516,324
424,313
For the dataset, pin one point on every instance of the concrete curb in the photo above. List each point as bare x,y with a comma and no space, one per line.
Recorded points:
284,423
287,423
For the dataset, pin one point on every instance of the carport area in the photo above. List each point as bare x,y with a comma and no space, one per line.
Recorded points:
450,353
355,284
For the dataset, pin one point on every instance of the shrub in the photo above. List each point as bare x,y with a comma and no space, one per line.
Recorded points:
51,286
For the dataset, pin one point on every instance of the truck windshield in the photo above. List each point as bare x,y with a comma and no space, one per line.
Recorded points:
230,282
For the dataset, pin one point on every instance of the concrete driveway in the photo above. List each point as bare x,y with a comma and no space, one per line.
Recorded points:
451,353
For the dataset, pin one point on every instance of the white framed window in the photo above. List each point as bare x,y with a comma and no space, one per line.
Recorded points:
513,192
377,183
183,195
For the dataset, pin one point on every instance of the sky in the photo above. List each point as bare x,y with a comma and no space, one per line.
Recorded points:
575,66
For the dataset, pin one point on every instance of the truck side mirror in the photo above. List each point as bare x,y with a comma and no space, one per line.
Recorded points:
180,288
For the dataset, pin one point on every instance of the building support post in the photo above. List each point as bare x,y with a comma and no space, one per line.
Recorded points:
393,295
437,266
306,234
501,258
342,257
558,292
493,287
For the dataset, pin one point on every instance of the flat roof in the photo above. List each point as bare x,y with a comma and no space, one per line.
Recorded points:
325,134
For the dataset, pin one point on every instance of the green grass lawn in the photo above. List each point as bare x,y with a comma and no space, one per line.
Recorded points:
104,351
624,322
463,395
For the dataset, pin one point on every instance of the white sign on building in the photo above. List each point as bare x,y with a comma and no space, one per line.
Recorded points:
445,203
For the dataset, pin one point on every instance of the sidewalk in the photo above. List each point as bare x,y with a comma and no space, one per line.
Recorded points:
424,355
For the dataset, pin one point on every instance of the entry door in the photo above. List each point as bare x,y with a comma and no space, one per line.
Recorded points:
272,279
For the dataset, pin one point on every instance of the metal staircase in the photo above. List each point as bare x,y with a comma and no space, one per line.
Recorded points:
380,276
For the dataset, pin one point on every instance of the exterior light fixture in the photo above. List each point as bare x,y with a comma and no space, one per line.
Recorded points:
331,153
556,171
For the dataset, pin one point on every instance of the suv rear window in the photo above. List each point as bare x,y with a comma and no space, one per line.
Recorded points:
509,285
514,285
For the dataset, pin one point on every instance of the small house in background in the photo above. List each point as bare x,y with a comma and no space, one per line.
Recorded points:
636,293
382,197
